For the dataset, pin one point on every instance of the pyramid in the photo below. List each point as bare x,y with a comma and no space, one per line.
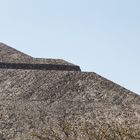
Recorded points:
37,93
12,58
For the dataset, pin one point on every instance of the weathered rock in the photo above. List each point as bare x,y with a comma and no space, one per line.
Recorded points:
31,100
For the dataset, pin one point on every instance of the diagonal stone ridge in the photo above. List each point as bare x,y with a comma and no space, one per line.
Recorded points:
11,58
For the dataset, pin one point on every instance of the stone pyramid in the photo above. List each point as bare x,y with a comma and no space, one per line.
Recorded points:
37,93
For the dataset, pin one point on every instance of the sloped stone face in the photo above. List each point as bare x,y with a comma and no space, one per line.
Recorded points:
14,59
32,100
11,55
8,54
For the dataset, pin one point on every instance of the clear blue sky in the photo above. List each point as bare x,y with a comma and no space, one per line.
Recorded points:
102,36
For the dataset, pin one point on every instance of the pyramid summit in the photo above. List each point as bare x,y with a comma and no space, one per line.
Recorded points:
10,54
12,58
38,94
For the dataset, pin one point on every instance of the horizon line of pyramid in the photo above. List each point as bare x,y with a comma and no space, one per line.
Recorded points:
11,58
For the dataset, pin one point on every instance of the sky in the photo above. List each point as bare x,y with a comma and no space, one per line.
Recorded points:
101,36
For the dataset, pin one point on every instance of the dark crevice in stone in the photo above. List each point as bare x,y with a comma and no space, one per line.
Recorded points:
39,66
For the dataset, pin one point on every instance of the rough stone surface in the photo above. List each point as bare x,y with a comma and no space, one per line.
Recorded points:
11,55
32,99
